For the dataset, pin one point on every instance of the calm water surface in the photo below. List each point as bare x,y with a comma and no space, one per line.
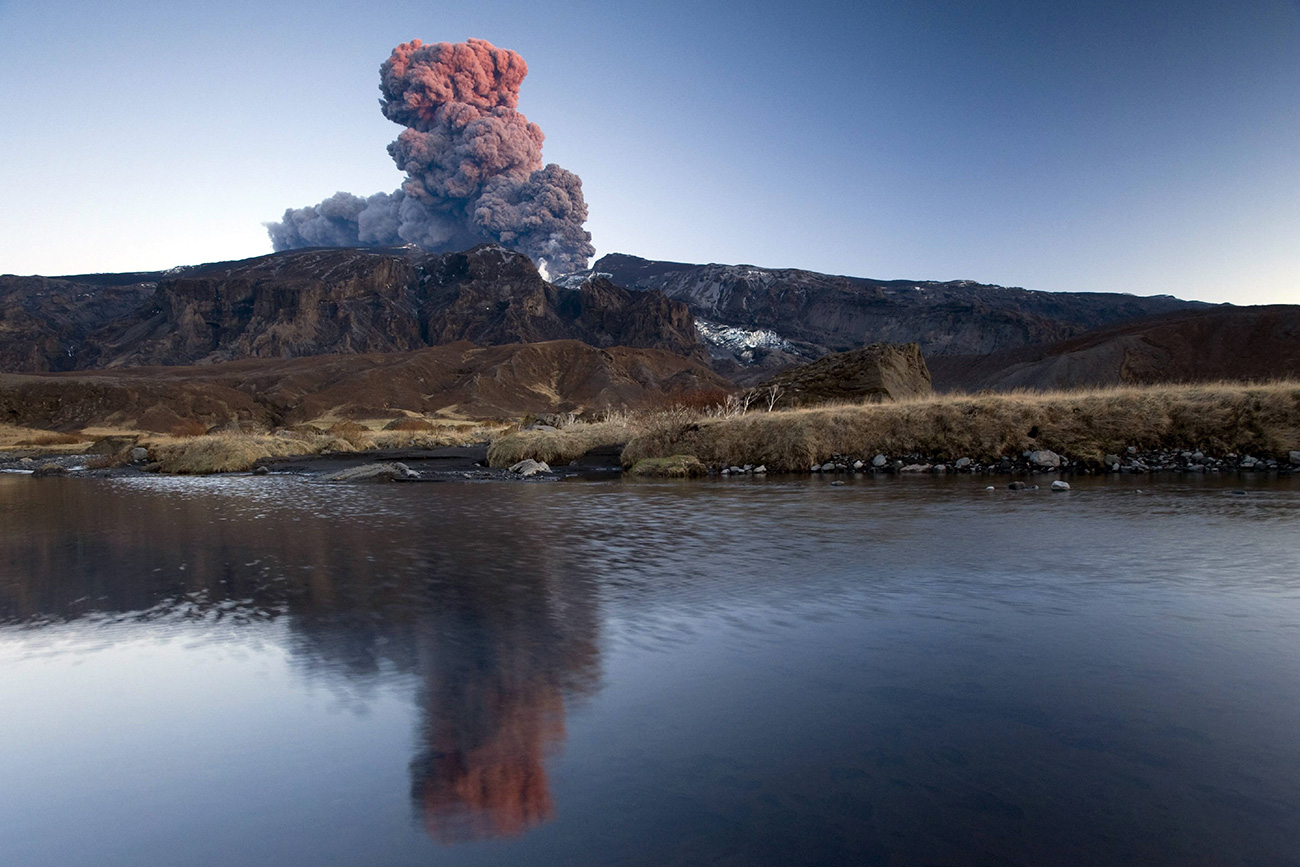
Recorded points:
248,671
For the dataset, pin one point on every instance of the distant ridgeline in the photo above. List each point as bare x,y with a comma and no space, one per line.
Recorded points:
747,323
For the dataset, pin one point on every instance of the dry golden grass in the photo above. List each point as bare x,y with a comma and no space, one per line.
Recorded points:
1086,425
13,437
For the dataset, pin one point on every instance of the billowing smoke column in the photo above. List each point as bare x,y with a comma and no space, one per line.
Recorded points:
473,165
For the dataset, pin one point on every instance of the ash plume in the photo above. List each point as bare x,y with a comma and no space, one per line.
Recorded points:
473,167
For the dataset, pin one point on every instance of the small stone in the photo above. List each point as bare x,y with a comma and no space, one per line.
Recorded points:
816,468
881,460
962,463
1017,486
828,467
1111,460
857,465
1199,457
760,469
915,468
1132,450
1059,485
261,471
990,488
726,472
839,484
939,468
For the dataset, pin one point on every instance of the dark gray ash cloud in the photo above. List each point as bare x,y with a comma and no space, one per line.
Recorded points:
473,167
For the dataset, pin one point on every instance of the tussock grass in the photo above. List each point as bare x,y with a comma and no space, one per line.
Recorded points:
1217,418
559,447
671,467
229,452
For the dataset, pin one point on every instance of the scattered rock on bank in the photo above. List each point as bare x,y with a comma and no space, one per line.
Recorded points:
529,467
386,472
1045,459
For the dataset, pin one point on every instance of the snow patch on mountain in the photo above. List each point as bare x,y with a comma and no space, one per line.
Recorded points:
739,339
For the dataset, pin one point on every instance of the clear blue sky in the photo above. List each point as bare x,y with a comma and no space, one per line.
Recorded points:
1146,147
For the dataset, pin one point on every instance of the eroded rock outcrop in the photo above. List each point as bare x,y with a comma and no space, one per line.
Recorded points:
875,373
807,314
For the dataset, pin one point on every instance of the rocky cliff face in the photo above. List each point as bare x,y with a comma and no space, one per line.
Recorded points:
44,321
323,302
873,374
804,314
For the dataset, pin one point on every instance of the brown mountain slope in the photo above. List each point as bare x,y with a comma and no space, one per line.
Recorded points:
1228,343
460,379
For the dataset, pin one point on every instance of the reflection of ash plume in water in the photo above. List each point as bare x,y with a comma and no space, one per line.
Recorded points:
484,776
497,670
500,635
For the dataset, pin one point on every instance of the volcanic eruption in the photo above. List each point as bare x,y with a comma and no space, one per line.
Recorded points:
473,165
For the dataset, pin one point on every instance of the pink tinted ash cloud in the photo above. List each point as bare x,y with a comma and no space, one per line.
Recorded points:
473,164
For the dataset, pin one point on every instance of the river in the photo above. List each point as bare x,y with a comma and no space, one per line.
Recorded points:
279,671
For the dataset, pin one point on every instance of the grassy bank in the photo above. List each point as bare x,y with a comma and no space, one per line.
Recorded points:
233,451
1086,425
559,447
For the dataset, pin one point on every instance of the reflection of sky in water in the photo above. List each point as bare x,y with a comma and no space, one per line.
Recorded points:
276,670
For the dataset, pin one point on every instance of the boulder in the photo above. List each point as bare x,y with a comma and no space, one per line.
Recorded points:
385,472
139,454
1018,486
50,470
962,463
1045,459
879,461
1059,485
529,467
1294,457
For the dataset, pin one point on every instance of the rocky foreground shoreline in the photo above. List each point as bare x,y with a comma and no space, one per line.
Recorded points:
469,463
1047,461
